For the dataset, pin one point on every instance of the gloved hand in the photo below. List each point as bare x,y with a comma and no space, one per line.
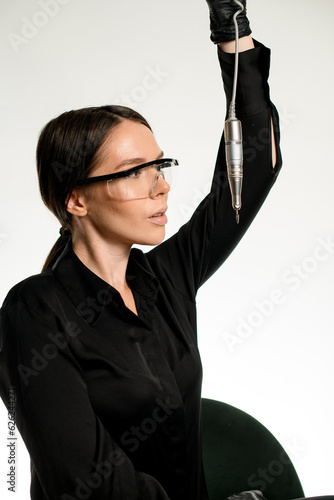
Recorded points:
247,495
221,20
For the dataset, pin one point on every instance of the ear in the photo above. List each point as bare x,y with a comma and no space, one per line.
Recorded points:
76,204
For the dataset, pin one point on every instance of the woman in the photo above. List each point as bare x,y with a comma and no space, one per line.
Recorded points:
101,346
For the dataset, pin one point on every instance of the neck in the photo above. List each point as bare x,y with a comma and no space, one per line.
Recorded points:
107,261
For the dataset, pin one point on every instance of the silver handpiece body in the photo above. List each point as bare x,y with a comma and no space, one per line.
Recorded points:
234,160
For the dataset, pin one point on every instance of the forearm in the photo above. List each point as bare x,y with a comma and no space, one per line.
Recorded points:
247,43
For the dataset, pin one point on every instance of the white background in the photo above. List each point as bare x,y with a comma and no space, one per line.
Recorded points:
96,52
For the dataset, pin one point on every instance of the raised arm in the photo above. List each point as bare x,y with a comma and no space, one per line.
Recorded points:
202,245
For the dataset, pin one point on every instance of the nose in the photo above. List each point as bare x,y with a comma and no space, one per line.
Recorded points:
160,186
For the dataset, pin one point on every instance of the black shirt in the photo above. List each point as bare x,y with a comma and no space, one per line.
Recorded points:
109,403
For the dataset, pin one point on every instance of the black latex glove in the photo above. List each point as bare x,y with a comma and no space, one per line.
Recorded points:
247,495
221,20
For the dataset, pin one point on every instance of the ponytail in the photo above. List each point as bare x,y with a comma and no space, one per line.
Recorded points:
58,247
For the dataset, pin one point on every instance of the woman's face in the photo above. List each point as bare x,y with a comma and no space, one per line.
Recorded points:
131,221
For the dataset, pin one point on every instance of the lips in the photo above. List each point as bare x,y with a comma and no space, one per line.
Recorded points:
159,217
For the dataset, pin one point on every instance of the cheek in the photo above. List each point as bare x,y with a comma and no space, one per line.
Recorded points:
128,212
126,219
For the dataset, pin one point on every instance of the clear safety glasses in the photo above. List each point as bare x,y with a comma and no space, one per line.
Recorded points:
137,182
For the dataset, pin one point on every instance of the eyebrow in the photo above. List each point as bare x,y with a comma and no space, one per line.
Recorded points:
137,161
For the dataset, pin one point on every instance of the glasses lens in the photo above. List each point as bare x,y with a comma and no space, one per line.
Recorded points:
164,172
143,182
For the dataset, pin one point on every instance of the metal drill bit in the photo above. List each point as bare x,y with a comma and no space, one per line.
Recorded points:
237,218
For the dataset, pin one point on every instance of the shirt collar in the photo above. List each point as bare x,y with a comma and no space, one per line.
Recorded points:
81,284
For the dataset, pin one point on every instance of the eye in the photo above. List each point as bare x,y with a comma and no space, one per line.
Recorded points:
161,166
135,174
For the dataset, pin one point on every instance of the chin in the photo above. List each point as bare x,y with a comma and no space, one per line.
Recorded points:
153,240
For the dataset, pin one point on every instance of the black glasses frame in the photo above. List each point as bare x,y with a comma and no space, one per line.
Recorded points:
124,173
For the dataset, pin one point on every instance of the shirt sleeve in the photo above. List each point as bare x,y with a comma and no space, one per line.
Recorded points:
72,455
199,248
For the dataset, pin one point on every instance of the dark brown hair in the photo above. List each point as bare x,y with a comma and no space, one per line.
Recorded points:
68,149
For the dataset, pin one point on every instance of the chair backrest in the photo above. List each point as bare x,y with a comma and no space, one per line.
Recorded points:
240,454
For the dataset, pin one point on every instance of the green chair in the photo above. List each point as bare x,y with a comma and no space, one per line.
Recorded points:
240,454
